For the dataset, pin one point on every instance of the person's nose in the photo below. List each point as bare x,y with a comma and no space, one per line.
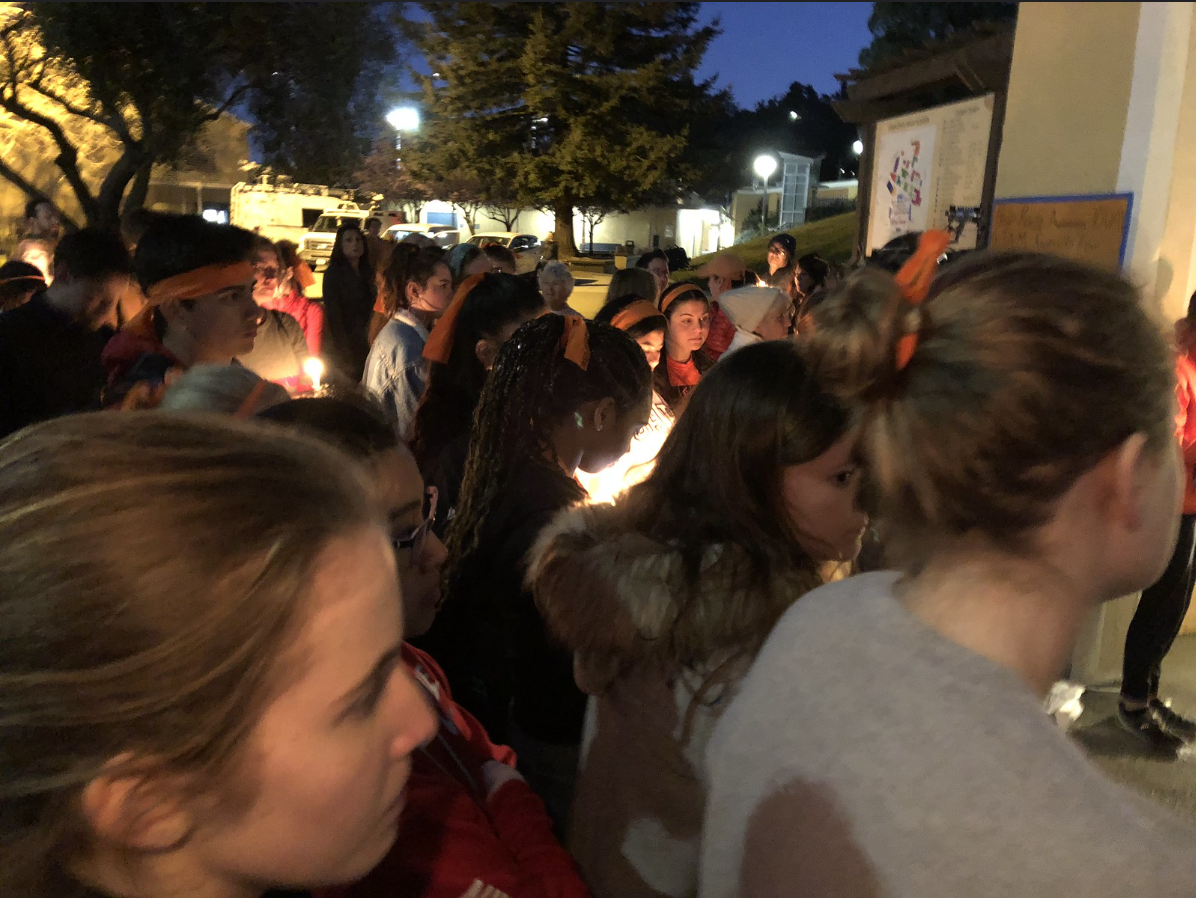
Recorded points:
434,554
415,724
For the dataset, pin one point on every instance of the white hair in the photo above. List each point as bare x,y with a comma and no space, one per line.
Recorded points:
555,270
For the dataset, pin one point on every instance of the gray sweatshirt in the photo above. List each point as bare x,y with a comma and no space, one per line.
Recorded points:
868,756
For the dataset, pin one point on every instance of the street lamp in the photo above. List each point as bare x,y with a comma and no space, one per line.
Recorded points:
857,147
764,166
403,118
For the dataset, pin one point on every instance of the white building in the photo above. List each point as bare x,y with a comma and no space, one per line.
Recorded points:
694,227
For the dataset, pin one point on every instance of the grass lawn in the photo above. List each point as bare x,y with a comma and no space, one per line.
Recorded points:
831,238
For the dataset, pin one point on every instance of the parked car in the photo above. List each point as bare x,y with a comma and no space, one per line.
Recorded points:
444,235
528,250
315,247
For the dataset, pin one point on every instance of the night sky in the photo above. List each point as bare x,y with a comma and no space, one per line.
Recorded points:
767,46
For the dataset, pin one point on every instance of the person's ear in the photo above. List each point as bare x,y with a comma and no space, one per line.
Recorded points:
137,809
605,414
1129,469
174,312
414,293
487,352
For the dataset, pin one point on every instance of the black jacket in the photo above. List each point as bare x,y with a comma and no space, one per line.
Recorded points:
49,365
489,637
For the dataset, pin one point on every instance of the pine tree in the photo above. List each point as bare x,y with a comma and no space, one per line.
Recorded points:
561,105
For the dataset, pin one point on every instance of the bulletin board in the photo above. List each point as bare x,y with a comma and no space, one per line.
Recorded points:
1092,229
929,172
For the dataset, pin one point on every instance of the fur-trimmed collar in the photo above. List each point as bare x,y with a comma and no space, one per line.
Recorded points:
611,593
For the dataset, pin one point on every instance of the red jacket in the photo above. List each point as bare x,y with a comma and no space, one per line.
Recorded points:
309,315
451,834
1185,417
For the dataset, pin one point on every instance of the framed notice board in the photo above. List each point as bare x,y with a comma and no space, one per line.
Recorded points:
1092,229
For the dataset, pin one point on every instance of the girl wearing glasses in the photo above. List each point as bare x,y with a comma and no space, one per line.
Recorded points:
469,816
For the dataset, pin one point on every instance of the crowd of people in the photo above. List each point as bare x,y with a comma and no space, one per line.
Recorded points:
501,601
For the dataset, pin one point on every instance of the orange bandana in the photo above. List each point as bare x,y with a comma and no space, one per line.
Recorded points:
440,342
200,282
913,283
576,341
634,314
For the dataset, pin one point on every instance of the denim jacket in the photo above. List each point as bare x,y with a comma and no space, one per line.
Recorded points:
396,372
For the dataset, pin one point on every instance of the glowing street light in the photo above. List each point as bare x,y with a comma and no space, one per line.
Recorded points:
403,118
857,147
765,167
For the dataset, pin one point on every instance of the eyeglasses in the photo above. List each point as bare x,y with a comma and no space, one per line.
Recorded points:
418,538
267,272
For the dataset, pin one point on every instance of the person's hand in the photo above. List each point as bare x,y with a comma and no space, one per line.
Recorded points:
496,774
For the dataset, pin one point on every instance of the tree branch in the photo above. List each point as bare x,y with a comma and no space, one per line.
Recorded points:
227,104
68,156
14,177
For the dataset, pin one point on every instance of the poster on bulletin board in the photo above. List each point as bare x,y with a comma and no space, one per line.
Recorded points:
1092,229
929,172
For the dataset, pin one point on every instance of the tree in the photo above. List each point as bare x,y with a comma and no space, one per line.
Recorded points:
146,77
563,104
593,216
507,214
897,27
381,172
799,121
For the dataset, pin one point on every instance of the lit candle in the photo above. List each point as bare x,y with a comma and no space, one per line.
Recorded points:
314,369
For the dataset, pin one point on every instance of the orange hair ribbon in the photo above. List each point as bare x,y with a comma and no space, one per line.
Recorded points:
913,283
576,341
440,342
634,314
200,282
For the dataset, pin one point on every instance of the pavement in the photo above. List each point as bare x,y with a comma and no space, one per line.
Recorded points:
1122,757
589,292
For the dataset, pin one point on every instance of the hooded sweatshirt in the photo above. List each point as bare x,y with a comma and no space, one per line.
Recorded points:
611,595
746,307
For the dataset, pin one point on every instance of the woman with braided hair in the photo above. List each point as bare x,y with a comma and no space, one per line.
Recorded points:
564,396
461,349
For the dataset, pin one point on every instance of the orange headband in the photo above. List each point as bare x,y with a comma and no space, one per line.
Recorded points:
676,293
913,283
440,342
200,282
576,341
634,314
23,277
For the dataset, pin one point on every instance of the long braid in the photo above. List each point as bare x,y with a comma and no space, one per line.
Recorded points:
531,389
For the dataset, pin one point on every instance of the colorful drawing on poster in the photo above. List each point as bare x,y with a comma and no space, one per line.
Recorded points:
905,186
903,192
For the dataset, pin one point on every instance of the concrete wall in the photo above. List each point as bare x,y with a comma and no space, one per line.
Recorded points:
1102,99
1069,92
